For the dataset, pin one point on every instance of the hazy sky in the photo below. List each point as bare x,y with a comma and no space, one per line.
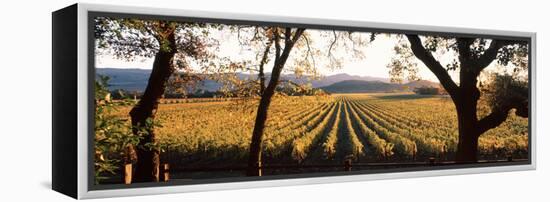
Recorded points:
377,55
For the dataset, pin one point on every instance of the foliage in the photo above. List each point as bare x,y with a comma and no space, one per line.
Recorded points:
129,38
134,39
112,134
427,90
296,89
404,64
505,91
309,55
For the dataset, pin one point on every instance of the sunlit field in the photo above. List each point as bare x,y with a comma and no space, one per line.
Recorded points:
306,130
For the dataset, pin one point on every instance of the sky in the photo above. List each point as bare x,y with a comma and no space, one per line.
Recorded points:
378,55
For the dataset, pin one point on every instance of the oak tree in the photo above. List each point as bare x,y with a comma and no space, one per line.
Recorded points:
174,46
277,43
471,56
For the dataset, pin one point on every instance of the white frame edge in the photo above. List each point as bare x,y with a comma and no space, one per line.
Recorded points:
85,193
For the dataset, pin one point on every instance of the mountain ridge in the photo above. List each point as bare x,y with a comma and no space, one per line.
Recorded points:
135,79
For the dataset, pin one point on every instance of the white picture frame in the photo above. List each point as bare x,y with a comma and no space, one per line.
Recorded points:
83,113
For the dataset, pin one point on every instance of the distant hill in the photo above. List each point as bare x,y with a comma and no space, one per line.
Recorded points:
328,80
136,80
359,86
127,79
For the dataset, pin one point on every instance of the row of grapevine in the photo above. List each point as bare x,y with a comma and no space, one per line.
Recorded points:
304,144
403,146
299,119
434,119
425,143
439,137
329,145
440,129
353,146
284,119
281,141
416,115
379,146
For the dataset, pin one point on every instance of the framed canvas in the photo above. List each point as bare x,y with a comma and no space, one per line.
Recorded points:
151,101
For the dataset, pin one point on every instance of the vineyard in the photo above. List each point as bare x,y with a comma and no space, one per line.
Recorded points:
326,129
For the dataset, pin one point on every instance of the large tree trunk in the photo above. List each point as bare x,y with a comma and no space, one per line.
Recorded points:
466,109
467,145
467,131
148,160
255,153
466,96
255,157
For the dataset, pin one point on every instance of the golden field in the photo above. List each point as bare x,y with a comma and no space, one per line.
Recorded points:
313,129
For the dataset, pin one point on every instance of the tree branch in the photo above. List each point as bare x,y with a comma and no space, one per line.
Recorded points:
263,61
488,56
281,57
251,69
148,30
491,53
427,58
492,120
289,43
288,33
276,40
309,52
464,52
498,116
332,44
297,35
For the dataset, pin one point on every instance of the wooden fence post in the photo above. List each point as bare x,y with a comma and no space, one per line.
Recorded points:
444,157
259,167
165,168
127,173
431,161
347,165
414,152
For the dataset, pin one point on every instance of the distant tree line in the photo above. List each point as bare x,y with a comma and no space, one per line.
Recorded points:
288,90
429,90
